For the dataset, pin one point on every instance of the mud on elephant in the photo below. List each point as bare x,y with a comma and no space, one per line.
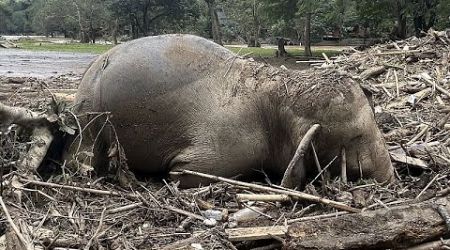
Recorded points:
178,102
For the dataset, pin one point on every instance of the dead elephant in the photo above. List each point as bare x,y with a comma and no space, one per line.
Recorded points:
180,102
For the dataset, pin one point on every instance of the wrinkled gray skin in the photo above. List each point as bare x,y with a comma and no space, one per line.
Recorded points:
182,102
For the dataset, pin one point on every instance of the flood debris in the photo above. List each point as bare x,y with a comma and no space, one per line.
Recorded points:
409,84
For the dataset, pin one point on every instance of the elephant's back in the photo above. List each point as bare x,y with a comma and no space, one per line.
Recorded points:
155,90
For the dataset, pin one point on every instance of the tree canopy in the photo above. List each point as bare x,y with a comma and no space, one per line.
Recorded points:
247,21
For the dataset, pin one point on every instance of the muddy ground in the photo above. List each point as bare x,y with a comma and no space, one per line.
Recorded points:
14,62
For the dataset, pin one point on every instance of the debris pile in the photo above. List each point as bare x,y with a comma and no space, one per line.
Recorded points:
410,85
410,81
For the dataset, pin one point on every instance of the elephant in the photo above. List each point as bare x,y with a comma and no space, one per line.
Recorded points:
181,102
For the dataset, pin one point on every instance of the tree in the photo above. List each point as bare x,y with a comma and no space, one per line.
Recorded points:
248,19
281,15
424,14
400,28
5,17
306,9
216,30
150,17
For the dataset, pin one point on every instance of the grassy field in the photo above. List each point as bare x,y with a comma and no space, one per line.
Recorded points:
100,48
270,52
64,47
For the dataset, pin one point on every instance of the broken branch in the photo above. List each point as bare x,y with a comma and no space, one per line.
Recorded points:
20,116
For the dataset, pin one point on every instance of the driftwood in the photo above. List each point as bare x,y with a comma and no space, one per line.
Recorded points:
395,227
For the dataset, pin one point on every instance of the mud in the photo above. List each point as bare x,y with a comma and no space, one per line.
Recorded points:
22,63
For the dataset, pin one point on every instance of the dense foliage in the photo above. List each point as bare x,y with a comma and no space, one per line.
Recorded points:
247,21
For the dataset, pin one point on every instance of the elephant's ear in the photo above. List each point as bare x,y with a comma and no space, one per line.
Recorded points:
368,92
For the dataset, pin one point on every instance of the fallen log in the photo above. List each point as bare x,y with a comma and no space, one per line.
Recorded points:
41,135
21,116
396,227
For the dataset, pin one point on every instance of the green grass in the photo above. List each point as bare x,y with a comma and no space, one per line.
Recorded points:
65,47
270,52
100,48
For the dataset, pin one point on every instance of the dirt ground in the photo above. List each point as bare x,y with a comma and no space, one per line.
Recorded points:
76,209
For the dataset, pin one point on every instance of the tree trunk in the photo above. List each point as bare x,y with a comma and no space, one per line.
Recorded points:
91,32
307,35
216,31
421,9
432,8
256,25
84,37
419,25
145,18
114,31
134,26
281,52
401,20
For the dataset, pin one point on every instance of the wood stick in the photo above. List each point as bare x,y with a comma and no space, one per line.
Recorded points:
292,176
316,161
311,61
104,192
263,197
434,245
403,52
13,225
343,166
125,208
80,189
326,58
372,72
409,160
293,193
182,244
41,140
420,134
426,187
255,233
396,83
439,88
97,232
186,213
316,217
